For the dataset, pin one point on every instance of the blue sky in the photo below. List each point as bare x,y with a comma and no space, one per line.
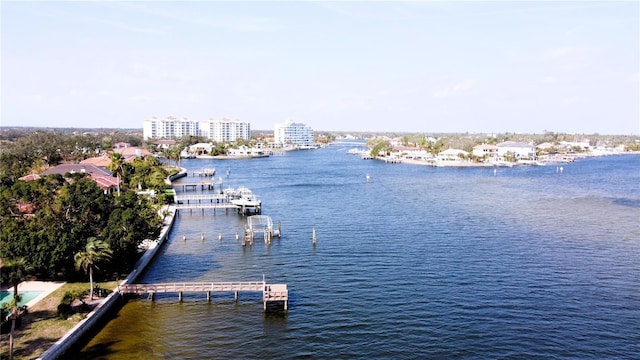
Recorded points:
518,66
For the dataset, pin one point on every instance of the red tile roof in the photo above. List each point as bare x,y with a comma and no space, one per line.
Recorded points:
105,182
30,177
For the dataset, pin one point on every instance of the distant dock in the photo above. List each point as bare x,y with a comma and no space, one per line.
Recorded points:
203,172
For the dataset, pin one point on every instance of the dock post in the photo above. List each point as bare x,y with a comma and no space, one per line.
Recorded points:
279,231
208,296
220,236
202,236
235,296
237,236
180,296
314,236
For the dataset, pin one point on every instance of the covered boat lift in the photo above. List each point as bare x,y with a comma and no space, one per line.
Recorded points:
260,225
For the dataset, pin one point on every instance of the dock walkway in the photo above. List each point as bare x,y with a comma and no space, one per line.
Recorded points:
271,293
215,201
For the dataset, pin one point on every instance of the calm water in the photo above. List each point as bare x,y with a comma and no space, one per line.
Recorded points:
417,263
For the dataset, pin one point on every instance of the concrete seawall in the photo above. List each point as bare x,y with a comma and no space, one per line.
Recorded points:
78,332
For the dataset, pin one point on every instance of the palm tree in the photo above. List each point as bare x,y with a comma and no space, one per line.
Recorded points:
95,251
117,160
14,272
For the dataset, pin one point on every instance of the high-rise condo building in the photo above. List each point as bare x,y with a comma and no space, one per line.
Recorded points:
294,133
215,130
169,128
225,130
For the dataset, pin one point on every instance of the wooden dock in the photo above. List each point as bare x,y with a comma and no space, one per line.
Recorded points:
272,294
203,197
203,184
203,172
216,201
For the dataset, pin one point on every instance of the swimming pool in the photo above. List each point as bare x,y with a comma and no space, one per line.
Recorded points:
7,296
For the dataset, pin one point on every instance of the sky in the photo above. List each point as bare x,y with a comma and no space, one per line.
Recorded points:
420,66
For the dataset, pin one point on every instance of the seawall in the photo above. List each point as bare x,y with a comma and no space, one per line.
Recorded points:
102,310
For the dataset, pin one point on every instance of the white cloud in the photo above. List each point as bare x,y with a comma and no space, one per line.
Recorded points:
550,79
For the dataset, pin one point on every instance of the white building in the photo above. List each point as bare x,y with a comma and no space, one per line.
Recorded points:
216,130
225,130
519,149
169,128
452,155
485,150
290,132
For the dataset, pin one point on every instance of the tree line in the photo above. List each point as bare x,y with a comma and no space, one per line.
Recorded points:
49,220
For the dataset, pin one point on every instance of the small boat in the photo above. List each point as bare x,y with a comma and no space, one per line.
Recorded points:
246,202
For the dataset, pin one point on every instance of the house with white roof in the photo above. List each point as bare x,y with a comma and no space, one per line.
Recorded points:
452,155
201,149
411,152
519,150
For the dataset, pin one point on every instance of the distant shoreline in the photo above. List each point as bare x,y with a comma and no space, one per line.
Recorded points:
477,164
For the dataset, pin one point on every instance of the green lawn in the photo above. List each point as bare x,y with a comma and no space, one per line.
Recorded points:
42,327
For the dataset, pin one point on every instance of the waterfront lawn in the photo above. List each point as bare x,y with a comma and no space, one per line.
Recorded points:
42,326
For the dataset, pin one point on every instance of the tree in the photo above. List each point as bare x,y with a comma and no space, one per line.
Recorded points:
423,143
95,251
173,153
131,222
379,146
117,160
14,272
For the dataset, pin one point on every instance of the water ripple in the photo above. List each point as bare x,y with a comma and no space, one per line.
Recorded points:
417,263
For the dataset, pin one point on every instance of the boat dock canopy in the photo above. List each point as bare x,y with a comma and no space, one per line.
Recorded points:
259,222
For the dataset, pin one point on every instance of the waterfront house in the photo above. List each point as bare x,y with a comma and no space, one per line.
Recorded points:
411,152
244,151
132,152
100,161
100,175
486,151
201,149
546,147
164,144
452,155
519,150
